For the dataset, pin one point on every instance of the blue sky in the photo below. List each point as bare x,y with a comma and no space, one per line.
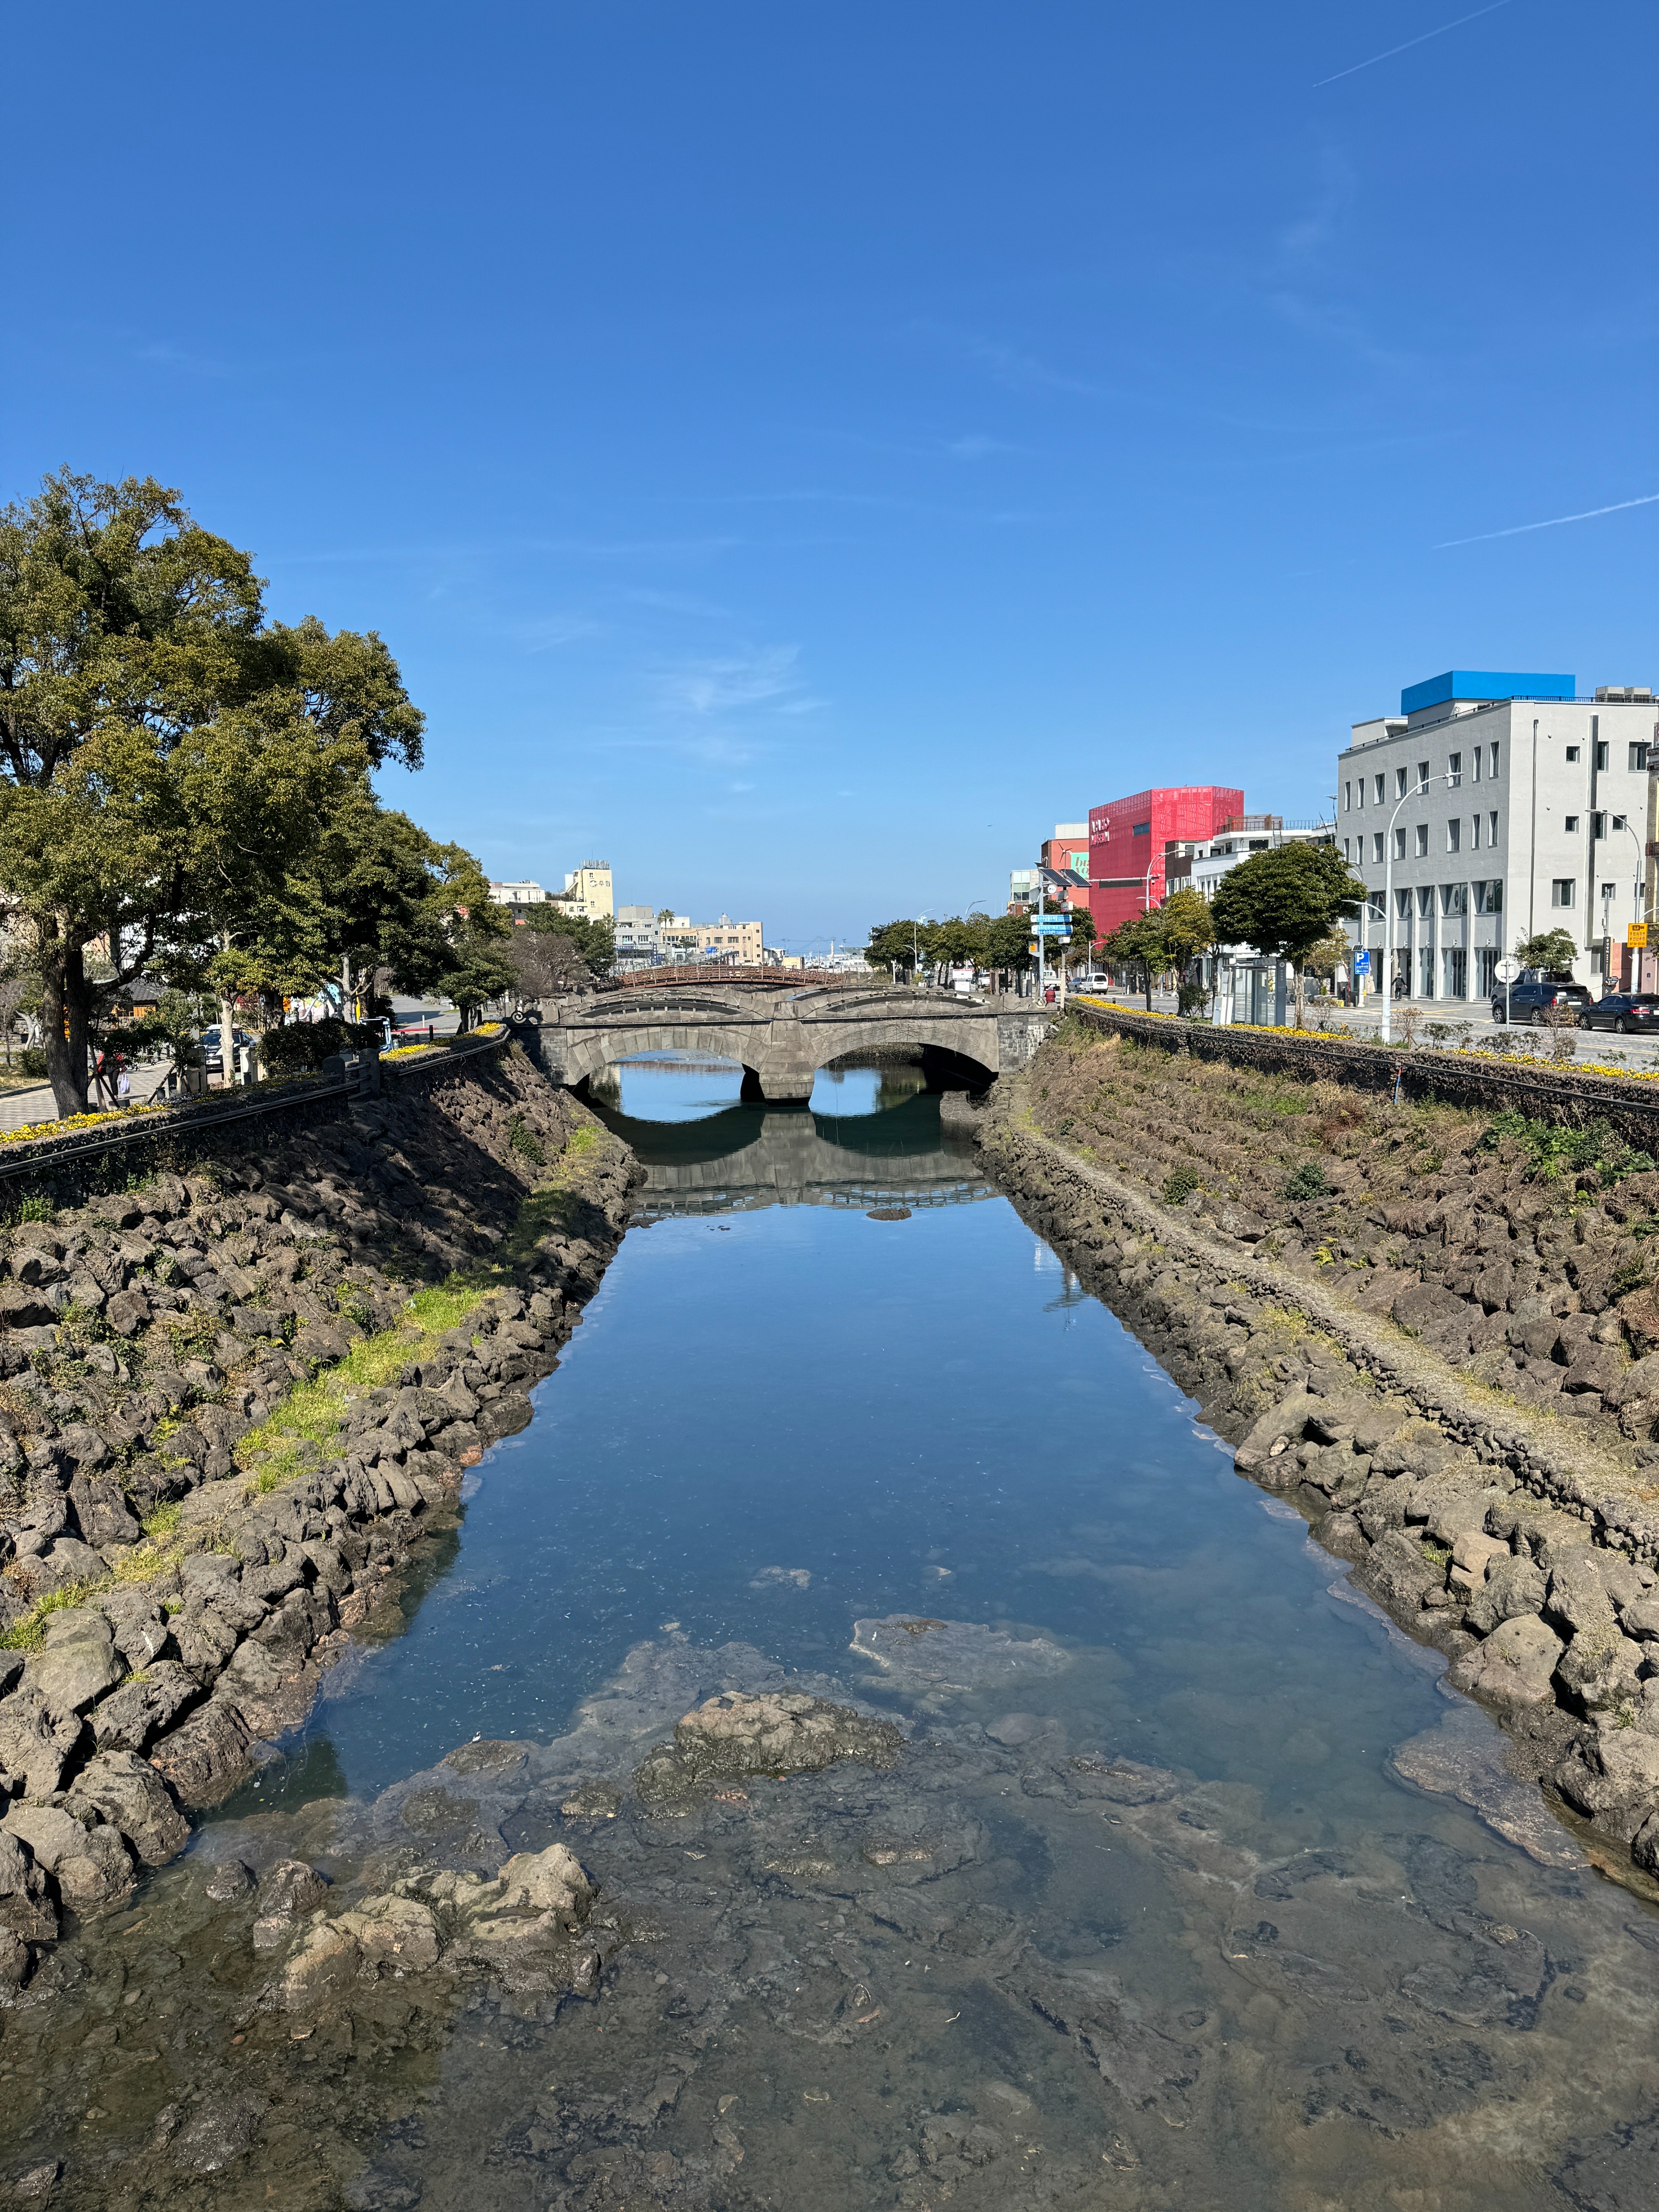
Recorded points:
799,453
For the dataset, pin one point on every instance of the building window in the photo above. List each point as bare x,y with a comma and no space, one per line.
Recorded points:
1491,827
1403,904
1619,822
1347,855
1561,891
1422,776
1455,769
1425,971
1454,898
1347,799
1638,760
1141,829
1400,844
1425,899
1456,964
1400,783
1380,790
1608,890
1453,834
1494,758
1598,825
1422,839
1572,753
1569,823
1474,761
1376,848
1475,833
1601,753
1489,896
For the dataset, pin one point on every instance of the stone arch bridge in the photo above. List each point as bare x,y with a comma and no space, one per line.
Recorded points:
782,1031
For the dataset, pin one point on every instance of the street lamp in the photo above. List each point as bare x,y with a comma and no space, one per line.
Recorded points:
1416,792
1622,822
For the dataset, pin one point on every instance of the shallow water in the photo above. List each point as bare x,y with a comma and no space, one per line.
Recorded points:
1162,1927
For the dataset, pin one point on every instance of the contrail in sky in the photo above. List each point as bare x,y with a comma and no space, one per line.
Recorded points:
1421,39
1520,529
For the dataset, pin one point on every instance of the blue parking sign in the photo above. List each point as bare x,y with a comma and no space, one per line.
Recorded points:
1362,961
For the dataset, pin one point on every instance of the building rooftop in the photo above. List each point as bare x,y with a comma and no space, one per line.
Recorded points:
1483,683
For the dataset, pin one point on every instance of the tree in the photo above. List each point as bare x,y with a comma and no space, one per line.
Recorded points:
148,718
1007,944
1284,901
1552,950
895,945
594,940
1139,942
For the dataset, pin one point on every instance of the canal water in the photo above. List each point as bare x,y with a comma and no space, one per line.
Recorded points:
1174,1900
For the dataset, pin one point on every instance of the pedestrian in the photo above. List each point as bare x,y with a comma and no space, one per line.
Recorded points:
124,1085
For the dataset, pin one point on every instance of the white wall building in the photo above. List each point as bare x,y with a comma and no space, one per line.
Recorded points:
638,937
1534,818
517,895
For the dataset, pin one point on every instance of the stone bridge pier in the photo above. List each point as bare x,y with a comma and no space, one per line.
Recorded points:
782,1032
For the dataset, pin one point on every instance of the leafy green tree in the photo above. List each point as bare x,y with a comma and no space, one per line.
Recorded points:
145,703
1551,950
1008,945
1139,943
1284,901
896,945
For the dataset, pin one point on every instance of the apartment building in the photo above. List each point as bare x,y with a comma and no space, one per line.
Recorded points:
737,942
517,896
638,938
1509,806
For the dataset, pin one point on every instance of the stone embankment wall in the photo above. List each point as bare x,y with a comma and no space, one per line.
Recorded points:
1443,1360
233,1399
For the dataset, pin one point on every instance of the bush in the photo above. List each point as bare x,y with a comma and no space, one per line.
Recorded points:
296,1046
1310,1180
31,1060
1180,1185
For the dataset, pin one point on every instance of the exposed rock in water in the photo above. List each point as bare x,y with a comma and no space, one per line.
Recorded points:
730,1736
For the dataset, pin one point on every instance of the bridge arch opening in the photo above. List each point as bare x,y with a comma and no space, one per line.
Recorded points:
671,1085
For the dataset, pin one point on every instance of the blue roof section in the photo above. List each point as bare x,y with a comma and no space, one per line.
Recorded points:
1483,683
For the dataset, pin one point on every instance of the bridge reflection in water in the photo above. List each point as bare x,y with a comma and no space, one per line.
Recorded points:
742,1157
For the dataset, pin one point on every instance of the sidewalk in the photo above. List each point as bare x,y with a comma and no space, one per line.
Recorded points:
18,1108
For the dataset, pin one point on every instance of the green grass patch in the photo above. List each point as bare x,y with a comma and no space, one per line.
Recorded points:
29,1634
309,1420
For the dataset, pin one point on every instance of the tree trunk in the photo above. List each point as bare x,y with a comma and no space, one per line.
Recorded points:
1149,987
63,1018
1297,972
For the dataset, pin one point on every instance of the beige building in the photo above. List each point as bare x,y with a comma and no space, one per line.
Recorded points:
517,897
587,891
731,940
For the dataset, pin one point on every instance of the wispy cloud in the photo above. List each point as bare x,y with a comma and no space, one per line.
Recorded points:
731,681
1554,522
1422,39
161,354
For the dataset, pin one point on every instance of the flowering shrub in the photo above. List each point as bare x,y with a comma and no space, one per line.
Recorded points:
73,1121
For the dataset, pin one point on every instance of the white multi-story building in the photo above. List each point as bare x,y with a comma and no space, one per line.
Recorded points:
517,895
1534,818
638,937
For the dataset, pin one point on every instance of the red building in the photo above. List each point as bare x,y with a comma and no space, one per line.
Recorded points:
1126,841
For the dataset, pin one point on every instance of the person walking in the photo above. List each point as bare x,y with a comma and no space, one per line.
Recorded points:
124,1086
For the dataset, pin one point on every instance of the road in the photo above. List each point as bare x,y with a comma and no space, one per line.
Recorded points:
1471,1022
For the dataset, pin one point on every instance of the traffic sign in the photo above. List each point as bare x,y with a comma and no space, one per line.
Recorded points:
1508,971
1636,936
1361,961
1051,924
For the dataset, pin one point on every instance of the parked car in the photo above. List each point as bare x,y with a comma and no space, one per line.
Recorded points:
1631,1013
1530,998
210,1046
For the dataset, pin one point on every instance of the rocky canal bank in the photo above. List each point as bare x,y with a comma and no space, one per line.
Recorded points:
235,1398
1431,1331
